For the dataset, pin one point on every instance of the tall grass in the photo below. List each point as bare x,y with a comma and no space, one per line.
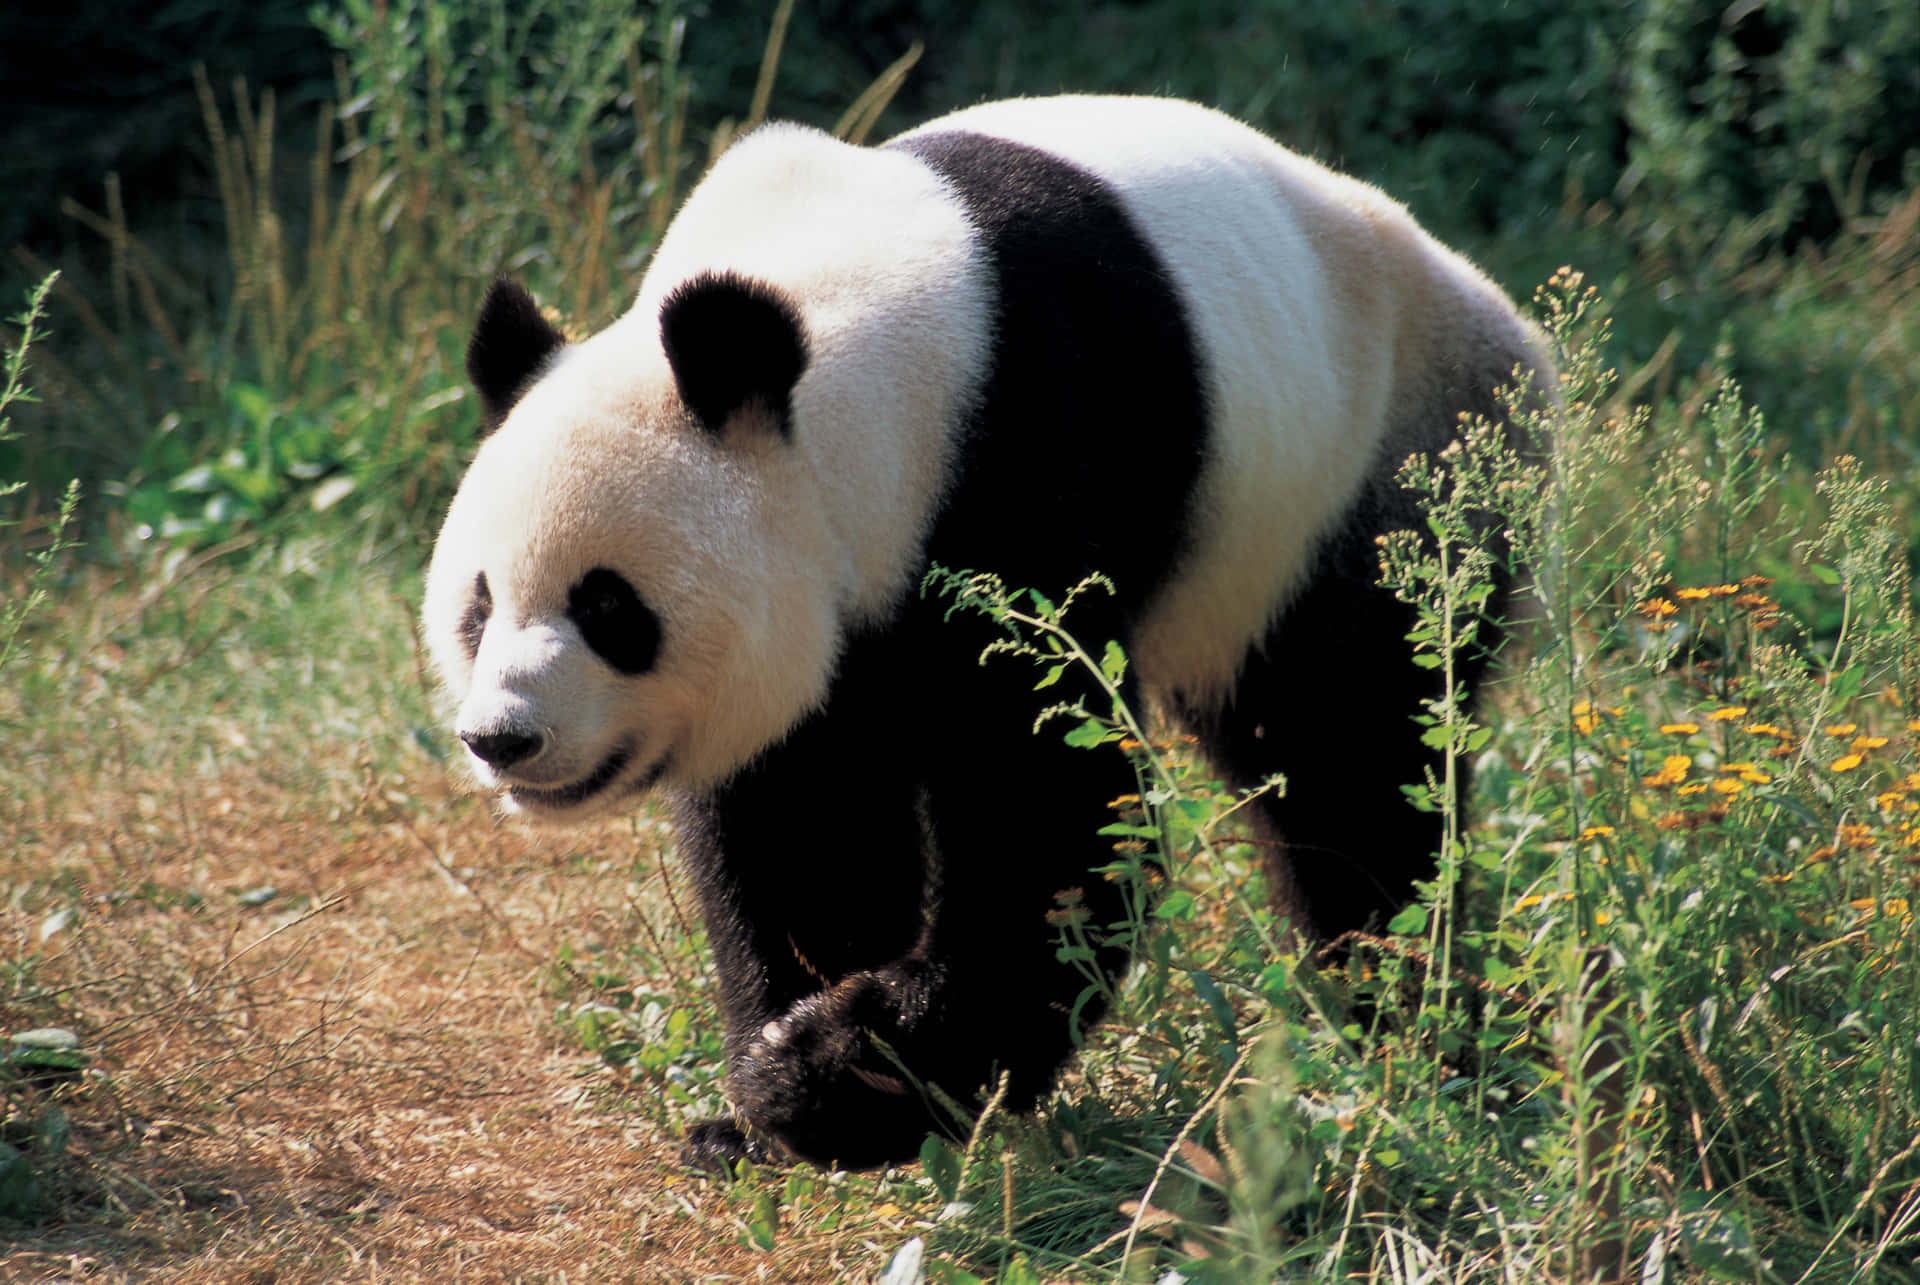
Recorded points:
324,374
25,599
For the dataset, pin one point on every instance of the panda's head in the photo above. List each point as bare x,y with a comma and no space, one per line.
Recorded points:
636,582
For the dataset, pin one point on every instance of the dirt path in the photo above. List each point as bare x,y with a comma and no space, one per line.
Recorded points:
360,1078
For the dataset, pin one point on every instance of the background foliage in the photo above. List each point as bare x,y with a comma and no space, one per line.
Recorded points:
1703,163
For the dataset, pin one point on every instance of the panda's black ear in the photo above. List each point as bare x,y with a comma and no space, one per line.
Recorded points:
733,343
511,343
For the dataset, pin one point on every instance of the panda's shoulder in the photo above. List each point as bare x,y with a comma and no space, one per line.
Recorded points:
814,216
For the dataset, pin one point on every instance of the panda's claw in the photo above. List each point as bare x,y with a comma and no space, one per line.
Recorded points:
721,1146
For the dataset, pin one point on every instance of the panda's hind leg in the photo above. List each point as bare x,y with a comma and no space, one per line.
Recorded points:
1329,701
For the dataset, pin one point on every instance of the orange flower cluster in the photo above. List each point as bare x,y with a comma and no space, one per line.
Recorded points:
1762,611
1900,810
1673,770
1858,748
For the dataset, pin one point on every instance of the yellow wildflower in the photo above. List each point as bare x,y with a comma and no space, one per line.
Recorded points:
1857,836
1763,729
1596,832
1657,608
1728,785
1679,729
1692,595
1727,713
1842,729
1693,787
1863,743
1673,770
1846,763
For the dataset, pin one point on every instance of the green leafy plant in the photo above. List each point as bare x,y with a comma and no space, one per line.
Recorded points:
14,390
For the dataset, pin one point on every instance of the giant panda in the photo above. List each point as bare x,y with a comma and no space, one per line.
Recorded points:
1042,338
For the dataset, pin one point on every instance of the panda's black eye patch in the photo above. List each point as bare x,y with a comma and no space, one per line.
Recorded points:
473,621
621,629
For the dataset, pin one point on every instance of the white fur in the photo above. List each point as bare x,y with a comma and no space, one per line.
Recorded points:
1299,284
1320,311
758,558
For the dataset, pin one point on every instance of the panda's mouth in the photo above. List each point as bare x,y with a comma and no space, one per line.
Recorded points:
561,798
590,786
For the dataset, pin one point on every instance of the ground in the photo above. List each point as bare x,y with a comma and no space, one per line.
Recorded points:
360,1078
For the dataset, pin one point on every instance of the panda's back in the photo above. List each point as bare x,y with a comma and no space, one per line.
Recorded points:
1126,335
1276,290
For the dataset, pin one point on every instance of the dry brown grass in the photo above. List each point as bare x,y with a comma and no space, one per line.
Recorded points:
361,1079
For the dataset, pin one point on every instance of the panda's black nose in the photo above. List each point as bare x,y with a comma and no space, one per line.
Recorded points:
501,750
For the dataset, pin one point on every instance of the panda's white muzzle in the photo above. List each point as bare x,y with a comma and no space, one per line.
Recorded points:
565,798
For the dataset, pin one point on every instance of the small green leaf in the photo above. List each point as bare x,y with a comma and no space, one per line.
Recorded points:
764,1222
1176,905
1090,734
1216,1001
1718,1243
942,1165
1019,1272
1409,922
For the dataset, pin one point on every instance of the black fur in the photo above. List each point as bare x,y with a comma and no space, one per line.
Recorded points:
733,344
473,621
511,344
1328,699
614,621
920,947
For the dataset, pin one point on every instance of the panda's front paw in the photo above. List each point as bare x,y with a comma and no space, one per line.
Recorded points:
823,1077
720,1146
